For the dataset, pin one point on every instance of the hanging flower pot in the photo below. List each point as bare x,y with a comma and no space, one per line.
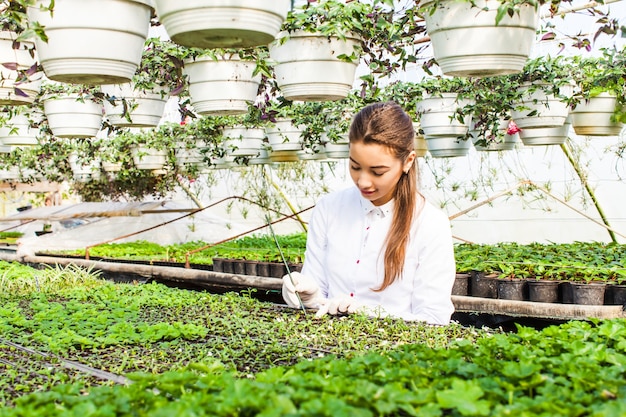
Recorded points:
438,116
593,117
127,107
472,39
545,135
540,108
111,166
19,131
285,141
445,134
73,116
243,141
84,172
222,24
339,149
221,87
503,139
92,41
19,81
308,67
262,158
447,146
190,156
149,158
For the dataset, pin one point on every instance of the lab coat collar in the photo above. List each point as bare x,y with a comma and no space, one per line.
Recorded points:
385,210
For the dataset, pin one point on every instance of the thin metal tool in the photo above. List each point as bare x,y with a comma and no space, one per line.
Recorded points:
282,256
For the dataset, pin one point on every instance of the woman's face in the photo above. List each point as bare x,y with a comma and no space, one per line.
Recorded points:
375,170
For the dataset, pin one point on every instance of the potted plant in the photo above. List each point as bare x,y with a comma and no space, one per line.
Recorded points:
321,44
141,102
149,149
83,162
90,41
19,127
20,74
72,111
480,38
442,121
224,82
599,104
544,87
217,24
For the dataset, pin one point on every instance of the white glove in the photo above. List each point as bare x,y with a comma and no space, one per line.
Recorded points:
303,286
344,304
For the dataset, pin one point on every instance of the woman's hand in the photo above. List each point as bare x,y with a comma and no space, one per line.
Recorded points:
344,304
306,288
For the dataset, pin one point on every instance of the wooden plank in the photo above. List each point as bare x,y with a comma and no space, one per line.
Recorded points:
514,308
36,187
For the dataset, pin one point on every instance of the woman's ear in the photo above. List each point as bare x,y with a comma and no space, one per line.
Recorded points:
408,162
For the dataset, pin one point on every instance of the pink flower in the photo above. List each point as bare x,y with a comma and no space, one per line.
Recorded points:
512,128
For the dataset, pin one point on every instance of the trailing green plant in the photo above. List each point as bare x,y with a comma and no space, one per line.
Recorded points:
602,74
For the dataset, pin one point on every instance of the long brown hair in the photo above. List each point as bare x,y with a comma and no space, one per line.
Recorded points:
388,125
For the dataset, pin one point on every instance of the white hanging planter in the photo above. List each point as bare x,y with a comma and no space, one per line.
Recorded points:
467,42
593,117
262,158
92,41
222,24
437,116
149,158
221,87
108,166
421,148
285,141
10,174
447,146
317,152
19,133
545,135
12,91
72,116
190,157
84,172
540,109
128,107
496,141
307,67
243,141
338,150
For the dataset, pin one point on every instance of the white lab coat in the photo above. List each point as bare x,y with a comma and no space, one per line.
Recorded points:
345,255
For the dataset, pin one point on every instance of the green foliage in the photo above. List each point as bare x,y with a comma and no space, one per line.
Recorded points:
579,261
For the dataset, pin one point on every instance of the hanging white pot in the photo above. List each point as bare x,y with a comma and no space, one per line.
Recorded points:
243,141
73,116
13,90
262,158
221,87
339,149
149,158
438,116
222,24
108,166
127,107
92,41
19,132
186,156
308,68
540,109
84,172
447,146
10,174
317,152
467,42
545,135
592,117
285,140
421,149
501,140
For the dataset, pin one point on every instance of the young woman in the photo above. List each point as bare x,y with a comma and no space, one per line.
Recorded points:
379,247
